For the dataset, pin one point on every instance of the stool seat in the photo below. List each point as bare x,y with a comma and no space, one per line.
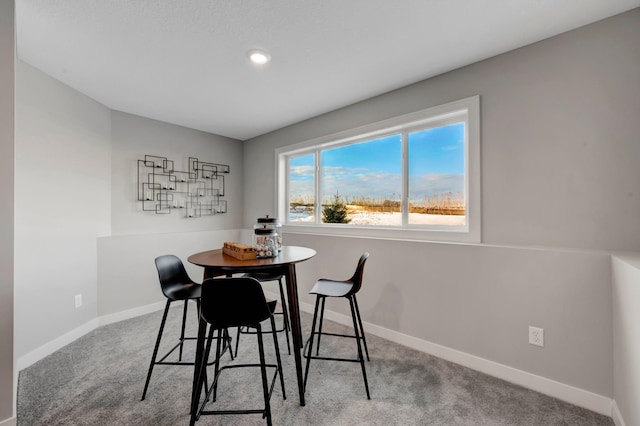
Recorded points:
324,288
233,302
177,286
188,291
286,324
331,288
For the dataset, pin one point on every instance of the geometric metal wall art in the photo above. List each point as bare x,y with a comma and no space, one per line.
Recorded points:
195,192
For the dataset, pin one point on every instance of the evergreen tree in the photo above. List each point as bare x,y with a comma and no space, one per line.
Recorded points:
336,212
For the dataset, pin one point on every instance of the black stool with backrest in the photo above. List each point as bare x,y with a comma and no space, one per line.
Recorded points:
225,303
332,288
286,325
176,286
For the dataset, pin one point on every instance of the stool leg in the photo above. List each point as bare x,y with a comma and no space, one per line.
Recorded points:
227,343
207,351
203,373
207,357
313,328
199,370
324,299
263,370
155,349
279,362
364,340
360,357
237,340
184,321
285,315
217,363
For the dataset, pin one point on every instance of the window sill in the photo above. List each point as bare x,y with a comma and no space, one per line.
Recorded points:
410,234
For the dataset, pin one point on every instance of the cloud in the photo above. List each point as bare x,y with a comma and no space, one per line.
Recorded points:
432,184
362,182
303,173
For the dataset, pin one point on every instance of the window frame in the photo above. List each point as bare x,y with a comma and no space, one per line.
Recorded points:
437,116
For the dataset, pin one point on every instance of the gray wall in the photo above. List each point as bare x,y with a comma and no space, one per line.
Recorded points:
135,136
7,55
560,134
560,147
63,164
75,186
125,266
480,300
138,237
626,336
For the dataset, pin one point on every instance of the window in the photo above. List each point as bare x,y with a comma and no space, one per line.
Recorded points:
414,176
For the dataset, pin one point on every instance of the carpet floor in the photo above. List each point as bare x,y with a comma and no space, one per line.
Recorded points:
98,380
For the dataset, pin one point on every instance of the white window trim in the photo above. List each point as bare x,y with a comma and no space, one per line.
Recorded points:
470,233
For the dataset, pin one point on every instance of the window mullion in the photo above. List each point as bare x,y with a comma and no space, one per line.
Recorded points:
285,205
405,179
318,183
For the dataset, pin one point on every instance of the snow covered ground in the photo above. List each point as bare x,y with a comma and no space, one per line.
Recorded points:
395,219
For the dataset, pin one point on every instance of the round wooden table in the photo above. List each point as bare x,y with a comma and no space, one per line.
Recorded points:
216,263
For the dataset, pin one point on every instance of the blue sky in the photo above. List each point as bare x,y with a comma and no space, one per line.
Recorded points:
373,168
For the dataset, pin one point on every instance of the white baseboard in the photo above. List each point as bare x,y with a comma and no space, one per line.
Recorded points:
11,421
54,345
580,397
130,313
58,343
616,415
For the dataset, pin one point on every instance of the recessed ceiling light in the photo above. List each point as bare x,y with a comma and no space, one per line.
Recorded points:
258,57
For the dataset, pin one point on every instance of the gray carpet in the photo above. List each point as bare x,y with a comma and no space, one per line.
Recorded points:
98,380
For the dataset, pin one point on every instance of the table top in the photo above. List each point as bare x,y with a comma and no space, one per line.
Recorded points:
216,258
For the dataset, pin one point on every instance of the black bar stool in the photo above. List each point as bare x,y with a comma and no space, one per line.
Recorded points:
286,325
331,288
225,303
177,286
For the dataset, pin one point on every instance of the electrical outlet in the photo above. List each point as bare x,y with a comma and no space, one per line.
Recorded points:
78,300
536,336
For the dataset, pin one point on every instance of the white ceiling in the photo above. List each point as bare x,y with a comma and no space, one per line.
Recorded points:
183,61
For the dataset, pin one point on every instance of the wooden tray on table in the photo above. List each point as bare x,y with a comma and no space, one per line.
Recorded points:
239,251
